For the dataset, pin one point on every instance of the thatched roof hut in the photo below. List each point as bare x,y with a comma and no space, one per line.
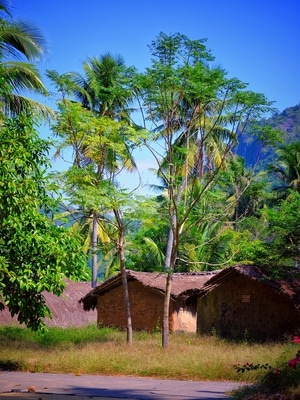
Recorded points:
146,292
66,310
243,301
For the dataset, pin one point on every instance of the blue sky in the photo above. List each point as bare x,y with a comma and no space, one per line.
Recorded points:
256,41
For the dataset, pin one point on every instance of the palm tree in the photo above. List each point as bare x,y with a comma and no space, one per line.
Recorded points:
104,87
104,91
21,44
287,168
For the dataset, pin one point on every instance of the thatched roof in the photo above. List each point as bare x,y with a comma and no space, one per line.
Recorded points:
180,283
289,287
66,310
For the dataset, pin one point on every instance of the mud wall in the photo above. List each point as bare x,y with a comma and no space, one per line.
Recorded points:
246,308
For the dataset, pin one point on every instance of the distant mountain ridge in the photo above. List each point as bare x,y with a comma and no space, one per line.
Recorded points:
288,121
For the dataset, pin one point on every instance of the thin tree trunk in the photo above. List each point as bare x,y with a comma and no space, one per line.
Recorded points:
127,301
169,249
94,250
120,245
166,328
169,266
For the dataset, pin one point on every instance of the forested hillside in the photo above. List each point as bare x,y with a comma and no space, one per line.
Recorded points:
288,121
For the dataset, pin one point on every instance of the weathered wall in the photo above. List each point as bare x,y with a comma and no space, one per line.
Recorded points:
244,307
146,308
185,318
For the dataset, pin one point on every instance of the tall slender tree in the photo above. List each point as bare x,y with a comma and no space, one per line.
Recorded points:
105,148
191,106
105,88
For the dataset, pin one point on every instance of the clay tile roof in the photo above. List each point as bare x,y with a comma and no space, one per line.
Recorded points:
156,280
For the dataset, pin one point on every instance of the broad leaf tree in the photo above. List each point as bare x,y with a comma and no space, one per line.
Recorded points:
35,254
104,89
284,232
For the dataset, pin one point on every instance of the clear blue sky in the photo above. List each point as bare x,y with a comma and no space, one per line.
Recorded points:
256,41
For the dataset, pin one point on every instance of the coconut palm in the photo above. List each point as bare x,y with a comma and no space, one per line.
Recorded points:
287,168
104,86
21,44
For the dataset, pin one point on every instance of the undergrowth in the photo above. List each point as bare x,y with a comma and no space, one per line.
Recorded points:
93,350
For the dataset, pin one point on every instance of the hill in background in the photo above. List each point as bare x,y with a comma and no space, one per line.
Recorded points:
288,121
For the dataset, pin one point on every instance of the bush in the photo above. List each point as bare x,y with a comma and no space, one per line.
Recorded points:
281,382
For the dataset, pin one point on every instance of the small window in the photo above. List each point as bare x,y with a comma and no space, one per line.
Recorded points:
246,298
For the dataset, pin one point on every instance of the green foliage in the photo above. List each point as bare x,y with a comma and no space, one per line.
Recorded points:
21,43
105,86
272,239
284,226
280,379
212,206
197,113
55,336
287,168
35,254
102,147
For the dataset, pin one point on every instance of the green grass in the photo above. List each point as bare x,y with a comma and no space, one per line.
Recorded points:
104,351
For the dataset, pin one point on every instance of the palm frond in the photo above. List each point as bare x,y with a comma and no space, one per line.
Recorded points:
21,39
155,250
22,76
14,104
5,7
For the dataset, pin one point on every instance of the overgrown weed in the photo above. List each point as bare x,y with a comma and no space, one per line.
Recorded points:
93,350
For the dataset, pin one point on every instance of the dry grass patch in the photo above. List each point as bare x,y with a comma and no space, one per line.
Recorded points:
104,351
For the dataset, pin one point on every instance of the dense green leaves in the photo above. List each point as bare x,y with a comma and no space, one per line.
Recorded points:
284,230
35,254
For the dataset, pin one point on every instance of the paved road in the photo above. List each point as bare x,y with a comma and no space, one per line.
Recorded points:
112,387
